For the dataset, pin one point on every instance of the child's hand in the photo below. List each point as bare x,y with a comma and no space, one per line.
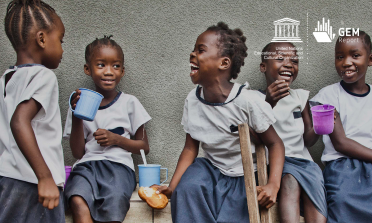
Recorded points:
267,195
48,193
105,137
276,91
75,98
167,191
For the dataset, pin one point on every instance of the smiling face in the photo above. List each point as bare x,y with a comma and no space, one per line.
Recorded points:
53,51
282,64
106,68
205,59
352,60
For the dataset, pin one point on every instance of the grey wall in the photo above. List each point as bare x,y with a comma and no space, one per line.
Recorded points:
158,36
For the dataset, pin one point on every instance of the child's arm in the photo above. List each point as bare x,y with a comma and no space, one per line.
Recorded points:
348,146
269,192
187,157
24,136
310,137
77,139
107,138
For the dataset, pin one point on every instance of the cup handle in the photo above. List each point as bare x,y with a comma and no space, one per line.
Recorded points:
69,101
166,176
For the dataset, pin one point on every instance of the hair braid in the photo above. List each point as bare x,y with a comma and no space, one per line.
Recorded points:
22,16
98,43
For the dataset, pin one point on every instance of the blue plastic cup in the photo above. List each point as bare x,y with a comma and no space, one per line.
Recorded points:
150,174
88,104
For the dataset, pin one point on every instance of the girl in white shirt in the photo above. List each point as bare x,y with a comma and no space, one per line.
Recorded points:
302,188
211,189
103,180
31,161
347,153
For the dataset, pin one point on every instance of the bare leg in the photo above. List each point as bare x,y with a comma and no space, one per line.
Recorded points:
312,215
80,210
289,200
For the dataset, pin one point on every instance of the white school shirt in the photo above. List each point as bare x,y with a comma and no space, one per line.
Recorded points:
39,83
124,115
289,123
215,125
355,115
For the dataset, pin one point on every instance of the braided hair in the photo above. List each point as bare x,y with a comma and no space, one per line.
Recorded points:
98,43
22,15
231,43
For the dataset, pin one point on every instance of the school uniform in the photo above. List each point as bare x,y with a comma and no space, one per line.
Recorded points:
18,182
212,188
104,177
347,180
290,128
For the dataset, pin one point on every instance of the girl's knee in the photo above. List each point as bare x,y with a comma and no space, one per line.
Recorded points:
78,204
288,181
289,186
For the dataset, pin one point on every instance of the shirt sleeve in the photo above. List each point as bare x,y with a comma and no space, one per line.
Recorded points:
327,95
303,95
40,87
261,115
137,115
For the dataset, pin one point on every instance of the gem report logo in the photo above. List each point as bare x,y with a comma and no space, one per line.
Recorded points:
323,33
286,30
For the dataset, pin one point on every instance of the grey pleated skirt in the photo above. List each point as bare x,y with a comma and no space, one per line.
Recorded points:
204,195
106,187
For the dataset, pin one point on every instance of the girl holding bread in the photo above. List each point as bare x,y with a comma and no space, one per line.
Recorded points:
211,189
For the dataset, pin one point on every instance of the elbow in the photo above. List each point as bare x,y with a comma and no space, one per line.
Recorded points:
77,155
15,124
338,147
310,138
338,144
77,152
278,146
309,144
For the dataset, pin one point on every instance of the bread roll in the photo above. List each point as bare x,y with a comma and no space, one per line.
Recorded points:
156,201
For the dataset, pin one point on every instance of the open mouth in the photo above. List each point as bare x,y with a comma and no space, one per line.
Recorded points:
286,74
194,68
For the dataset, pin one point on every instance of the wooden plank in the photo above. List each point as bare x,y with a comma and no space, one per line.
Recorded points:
262,179
249,178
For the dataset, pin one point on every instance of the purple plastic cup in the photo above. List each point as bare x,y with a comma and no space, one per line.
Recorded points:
323,119
68,171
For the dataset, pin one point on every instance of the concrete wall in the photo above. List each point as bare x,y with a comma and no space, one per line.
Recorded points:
158,36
